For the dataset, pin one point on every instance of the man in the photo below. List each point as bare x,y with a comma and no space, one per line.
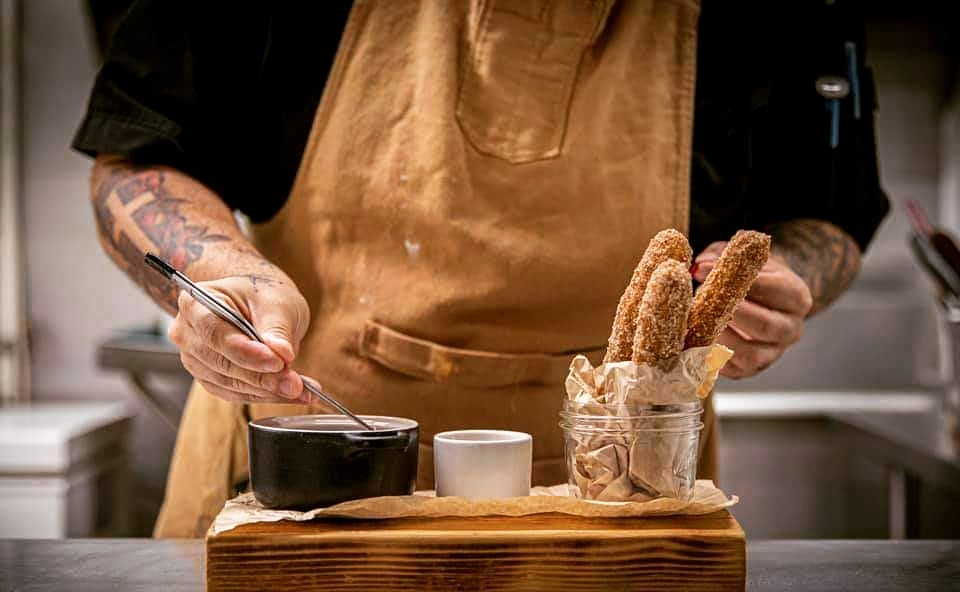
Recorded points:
457,216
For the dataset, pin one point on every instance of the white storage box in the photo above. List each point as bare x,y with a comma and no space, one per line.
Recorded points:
63,470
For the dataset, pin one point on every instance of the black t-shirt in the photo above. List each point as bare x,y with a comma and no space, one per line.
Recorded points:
226,92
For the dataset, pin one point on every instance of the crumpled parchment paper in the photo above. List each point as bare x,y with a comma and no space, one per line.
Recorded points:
689,377
634,455
244,509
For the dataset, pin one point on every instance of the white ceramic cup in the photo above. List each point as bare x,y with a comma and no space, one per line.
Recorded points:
482,464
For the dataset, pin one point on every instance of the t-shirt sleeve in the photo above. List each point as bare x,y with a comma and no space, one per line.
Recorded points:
813,166
143,102
179,86
764,151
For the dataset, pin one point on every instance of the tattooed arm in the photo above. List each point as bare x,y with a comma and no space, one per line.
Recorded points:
825,256
812,263
140,209
159,209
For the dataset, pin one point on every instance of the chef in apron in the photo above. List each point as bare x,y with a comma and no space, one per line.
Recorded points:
469,207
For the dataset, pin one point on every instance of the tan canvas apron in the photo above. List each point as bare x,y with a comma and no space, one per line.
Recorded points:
480,180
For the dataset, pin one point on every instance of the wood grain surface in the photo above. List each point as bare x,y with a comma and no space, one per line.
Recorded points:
541,552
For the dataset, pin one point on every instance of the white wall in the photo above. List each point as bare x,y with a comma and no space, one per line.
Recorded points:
76,295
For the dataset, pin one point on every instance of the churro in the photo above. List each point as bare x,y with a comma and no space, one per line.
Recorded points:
662,319
726,286
666,245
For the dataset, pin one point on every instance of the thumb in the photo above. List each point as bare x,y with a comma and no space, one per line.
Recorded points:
278,332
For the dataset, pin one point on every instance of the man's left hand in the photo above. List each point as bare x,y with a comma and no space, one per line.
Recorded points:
770,319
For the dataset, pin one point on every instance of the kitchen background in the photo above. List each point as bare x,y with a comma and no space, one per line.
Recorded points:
879,357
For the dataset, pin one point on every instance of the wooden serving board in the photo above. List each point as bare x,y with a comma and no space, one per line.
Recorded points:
539,552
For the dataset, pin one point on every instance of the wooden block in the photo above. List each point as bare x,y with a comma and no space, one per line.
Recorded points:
540,552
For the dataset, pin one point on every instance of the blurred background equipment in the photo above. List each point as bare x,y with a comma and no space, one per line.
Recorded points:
937,253
64,470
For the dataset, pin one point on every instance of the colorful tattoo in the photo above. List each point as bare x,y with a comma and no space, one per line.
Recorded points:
136,212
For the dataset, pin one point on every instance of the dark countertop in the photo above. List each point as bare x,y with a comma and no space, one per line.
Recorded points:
879,566
87,565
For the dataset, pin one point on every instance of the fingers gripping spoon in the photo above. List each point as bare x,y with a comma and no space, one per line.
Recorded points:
237,320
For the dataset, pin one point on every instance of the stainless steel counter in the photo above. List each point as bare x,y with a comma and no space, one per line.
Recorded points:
914,421
143,352
841,465
177,565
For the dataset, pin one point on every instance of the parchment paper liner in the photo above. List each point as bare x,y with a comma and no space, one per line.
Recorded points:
625,453
689,377
707,498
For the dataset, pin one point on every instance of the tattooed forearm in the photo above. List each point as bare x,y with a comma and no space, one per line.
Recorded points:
137,211
825,256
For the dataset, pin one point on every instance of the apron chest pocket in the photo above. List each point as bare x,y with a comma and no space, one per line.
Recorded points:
520,71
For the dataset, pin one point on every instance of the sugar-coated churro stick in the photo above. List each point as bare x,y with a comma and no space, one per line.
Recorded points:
662,319
667,244
726,286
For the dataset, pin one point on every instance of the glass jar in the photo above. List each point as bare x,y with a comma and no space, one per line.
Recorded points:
631,452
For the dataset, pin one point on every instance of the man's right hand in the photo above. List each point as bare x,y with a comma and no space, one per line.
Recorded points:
227,363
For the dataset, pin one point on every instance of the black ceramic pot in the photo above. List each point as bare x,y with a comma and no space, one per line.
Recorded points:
311,461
